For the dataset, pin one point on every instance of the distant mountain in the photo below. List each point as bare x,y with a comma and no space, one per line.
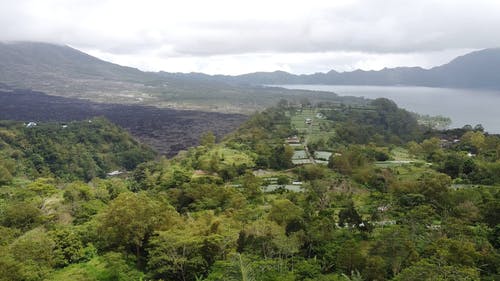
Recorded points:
42,65
64,71
480,69
67,72
20,60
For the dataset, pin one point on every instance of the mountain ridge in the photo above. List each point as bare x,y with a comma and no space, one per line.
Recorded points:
61,60
65,71
478,69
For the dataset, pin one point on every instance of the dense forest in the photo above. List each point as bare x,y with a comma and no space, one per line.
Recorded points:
298,192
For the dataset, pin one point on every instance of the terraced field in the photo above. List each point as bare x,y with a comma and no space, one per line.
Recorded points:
310,125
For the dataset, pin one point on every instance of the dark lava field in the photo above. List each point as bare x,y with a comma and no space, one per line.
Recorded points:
166,130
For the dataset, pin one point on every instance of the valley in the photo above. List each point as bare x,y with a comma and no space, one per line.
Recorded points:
249,140
166,130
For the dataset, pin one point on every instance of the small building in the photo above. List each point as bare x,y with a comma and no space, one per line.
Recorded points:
114,173
31,124
308,121
292,140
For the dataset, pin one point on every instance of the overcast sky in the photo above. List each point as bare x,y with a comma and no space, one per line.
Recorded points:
233,37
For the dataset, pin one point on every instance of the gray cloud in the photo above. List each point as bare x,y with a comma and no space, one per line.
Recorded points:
207,29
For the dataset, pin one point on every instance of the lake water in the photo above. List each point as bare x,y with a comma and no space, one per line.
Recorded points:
463,106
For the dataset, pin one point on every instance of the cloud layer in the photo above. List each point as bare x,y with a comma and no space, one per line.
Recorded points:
240,36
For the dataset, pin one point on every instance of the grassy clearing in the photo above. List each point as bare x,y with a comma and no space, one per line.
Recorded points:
410,172
316,130
400,157
299,119
110,267
401,154
321,137
228,157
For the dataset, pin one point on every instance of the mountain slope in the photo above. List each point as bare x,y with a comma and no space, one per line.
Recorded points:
46,60
480,69
67,72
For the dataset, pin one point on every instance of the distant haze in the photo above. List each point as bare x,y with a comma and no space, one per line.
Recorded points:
234,37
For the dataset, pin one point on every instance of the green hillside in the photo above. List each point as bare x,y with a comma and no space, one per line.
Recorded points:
76,150
391,202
